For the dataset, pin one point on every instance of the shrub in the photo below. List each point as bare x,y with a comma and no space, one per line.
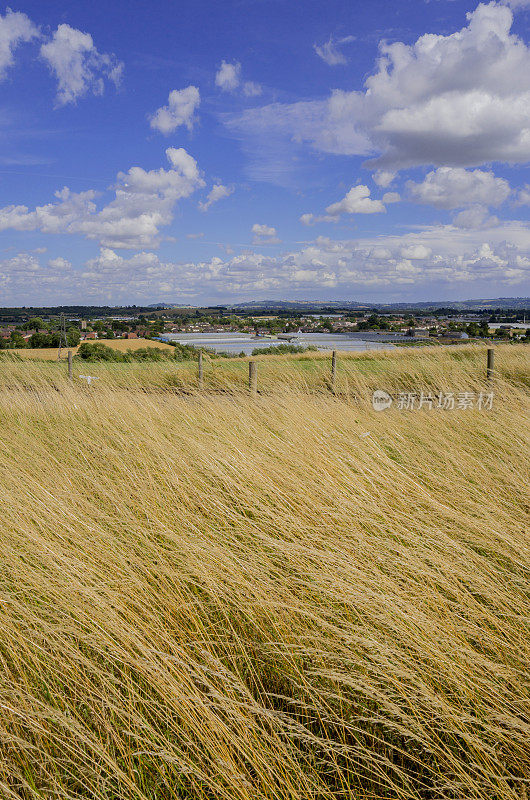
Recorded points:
97,351
148,354
281,349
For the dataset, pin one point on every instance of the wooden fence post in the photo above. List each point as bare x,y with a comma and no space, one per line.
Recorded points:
333,371
201,372
253,378
70,366
490,364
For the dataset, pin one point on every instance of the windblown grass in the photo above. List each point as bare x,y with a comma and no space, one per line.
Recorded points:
427,368
289,597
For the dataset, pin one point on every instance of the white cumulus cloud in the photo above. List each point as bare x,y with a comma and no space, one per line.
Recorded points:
228,79
461,99
384,178
60,263
264,234
143,203
523,196
455,187
475,217
356,201
216,193
263,230
436,261
416,252
228,76
77,64
180,110
15,28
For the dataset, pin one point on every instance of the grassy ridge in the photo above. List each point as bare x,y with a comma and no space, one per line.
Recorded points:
292,597
50,353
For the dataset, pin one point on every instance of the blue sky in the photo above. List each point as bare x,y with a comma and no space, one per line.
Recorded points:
199,152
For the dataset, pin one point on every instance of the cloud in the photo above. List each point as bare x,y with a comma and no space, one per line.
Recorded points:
23,263
263,230
461,99
56,217
216,193
60,263
523,196
330,53
297,123
455,187
515,4
251,89
109,261
313,219
15,28
180,110
70,54
475,217
416,252
384,178
77,64
440,255
228,76
356,201
264,234
436,261
391,197
23,278
143,203
228,79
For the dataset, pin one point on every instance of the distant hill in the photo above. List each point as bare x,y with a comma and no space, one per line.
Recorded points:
299,305
161,306
464,305
496,302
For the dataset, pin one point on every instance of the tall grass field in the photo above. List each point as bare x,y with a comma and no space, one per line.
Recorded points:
289,596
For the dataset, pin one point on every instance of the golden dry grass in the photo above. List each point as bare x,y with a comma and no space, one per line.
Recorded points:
50,353
292,596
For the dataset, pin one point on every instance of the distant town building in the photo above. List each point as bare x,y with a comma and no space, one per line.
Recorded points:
517,325
455,335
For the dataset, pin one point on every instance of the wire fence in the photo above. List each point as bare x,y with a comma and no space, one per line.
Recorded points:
340,374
